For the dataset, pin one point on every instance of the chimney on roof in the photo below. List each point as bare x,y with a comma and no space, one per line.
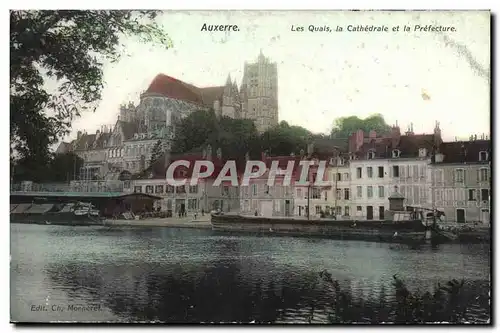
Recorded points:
310,149
395,136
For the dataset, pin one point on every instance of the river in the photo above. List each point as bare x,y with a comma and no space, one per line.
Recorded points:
88,274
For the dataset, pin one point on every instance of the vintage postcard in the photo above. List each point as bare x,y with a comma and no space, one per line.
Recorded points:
267,167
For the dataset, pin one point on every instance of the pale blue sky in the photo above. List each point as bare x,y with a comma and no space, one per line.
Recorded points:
325,75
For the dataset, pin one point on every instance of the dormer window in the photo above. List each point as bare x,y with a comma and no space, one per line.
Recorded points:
422,152
483,156
396,153
340,161
371,155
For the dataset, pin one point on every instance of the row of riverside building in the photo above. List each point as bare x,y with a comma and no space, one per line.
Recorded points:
363,171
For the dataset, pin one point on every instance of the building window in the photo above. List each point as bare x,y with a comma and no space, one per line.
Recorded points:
254,189
346,194
396,153
460,215
318,209
338,210
149,188
422,152
169,189
359,172
371,155
346,176
439,174
346,210
339,177
359,208
395,171
225,190
192,204
159,189
485,194
483,175
369,191
380,172
193,189
381,193
338,194
483,156
299,193
359,191
369,171
472,195
180,189
326,195
316,193
459,175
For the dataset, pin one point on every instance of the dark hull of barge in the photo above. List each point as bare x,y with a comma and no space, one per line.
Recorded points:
410,231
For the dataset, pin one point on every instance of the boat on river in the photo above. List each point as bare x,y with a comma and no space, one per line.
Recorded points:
76,213
401,228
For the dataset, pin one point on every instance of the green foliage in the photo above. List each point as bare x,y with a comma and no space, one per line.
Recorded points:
67,47
344,126
285,139
236,137
446,304
59,168
197,129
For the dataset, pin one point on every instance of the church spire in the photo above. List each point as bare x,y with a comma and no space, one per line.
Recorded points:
228,81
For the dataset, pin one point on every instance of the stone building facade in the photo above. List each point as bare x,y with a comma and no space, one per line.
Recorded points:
460,181
128,144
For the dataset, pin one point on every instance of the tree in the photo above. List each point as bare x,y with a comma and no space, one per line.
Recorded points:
60,168
284,139
235,137
156,152
195,130
65,167
68,47
344,126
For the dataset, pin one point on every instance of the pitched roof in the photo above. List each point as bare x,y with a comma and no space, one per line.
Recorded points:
171,87
103,138
464,151
210,94
64,147
382,147
409,145
85,142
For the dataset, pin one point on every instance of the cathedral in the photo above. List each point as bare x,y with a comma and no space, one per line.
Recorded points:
129,143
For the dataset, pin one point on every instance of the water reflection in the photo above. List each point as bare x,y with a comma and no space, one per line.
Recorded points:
182,275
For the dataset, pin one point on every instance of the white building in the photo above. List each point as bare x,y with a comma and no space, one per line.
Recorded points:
382,166
460,181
